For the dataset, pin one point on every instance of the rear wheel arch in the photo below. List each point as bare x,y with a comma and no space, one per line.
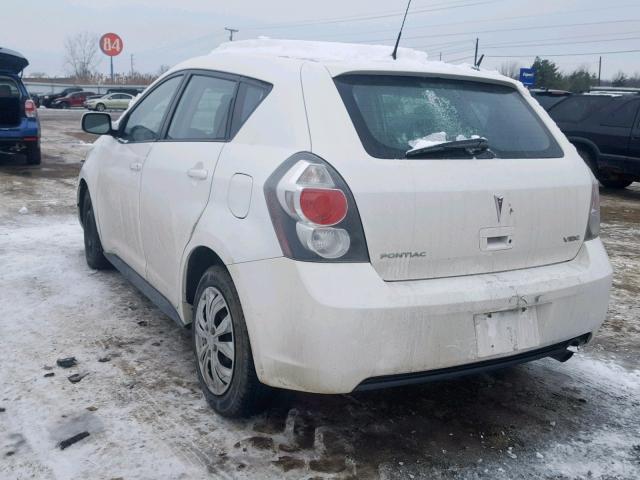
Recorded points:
200,260
82,188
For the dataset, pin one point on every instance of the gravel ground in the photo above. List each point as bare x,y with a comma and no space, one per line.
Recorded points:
146,418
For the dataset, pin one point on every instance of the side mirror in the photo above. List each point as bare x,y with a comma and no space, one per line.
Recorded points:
97,123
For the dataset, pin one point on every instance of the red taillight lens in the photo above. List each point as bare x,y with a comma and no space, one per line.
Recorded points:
30,109
323,206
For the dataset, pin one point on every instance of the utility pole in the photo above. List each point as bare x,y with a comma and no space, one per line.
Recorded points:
440,56
475,57
231,32
599,70
131,65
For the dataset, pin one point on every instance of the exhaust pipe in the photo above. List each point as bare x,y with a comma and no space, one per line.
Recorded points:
572,348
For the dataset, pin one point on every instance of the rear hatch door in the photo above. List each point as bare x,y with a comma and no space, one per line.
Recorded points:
521,204
12,61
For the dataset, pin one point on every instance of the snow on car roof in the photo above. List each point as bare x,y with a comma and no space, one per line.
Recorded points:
343,57
321,51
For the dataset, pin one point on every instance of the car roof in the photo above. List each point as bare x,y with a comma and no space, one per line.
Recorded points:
269,60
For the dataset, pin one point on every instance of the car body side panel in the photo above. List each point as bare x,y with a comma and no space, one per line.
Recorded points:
274,132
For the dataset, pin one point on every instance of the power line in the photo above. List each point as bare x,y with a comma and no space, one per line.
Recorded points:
439,46
446,6
511,29
494,19
565,54
498,46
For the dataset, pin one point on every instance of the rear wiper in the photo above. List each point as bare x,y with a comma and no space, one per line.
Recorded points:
472,146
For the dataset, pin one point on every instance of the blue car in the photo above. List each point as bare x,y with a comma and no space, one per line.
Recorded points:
19,124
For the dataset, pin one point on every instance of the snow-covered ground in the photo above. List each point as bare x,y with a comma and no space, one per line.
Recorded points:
146,418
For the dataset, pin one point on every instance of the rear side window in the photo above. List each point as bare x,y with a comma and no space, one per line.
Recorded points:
548,101
250,95
576,109
623,115
392,112
204,109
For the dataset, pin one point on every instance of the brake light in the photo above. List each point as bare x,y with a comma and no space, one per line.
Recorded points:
323,206
30,109
593,225
314,213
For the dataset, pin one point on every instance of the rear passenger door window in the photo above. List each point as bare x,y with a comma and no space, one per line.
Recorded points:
203,111
145,121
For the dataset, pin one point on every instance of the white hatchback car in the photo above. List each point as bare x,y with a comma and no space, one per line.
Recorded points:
331,220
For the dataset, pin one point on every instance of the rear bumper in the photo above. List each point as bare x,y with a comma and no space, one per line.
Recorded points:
559,351
332,328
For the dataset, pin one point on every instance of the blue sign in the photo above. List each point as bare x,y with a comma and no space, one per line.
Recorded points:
528,76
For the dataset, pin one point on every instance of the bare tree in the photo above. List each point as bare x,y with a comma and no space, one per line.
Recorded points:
163,69
510,69
619,79
81,58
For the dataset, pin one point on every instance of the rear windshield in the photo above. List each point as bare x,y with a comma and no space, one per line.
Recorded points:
393,113
8,88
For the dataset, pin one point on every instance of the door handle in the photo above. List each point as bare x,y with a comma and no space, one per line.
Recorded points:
135,166
198,173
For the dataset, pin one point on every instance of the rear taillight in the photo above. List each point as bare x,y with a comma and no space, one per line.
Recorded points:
314,213
30,109
322,206
593,226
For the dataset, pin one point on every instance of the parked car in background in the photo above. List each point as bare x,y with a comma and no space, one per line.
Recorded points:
331,220
75,99
19,124
47,99
548,98
111,101
605,128
129,90
35,97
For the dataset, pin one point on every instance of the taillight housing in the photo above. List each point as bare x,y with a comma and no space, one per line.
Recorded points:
30,109
313,212
593,225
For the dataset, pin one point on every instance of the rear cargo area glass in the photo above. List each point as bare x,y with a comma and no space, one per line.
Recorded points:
391,112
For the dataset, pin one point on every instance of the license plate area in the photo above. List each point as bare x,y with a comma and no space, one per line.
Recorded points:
506,331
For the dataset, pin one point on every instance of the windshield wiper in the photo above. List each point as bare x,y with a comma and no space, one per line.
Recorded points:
472,147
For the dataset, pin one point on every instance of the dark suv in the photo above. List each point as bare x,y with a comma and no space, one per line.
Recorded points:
19,125
605,128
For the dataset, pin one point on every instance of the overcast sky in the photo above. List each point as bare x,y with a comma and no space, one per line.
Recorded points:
160,32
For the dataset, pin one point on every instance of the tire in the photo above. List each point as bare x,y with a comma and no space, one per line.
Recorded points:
92,245
607,179
100,107
231,388
612,180
64,106
34,155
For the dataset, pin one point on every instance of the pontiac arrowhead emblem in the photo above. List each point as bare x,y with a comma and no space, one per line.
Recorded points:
499,200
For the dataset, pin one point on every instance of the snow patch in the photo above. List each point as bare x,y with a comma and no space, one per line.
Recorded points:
321,51
436,138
